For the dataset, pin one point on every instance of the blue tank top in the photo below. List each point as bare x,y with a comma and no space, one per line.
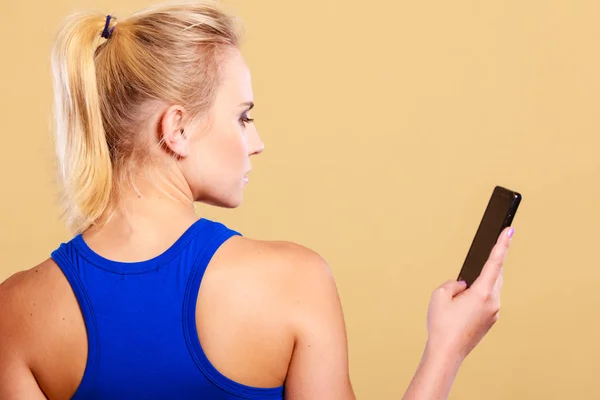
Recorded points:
140,319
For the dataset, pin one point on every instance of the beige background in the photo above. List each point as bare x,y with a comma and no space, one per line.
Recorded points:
387,124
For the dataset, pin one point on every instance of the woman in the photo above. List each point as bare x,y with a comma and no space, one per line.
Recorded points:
147,301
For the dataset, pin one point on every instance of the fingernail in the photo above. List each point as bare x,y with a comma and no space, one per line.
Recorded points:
511,232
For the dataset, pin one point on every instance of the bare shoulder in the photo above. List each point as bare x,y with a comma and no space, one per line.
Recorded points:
40,323
292,288
27,297
25,306
280,259
35,301
293,278
17,295
260,286
280,271
19,290
272,289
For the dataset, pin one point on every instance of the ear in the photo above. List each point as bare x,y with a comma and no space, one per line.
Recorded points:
173,131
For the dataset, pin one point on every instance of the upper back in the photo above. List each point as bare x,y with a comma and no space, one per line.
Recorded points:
211,316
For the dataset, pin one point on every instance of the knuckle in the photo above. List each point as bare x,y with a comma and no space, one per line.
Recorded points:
495,307
447,284
442,288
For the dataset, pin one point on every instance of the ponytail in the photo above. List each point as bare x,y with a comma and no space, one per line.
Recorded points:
81,145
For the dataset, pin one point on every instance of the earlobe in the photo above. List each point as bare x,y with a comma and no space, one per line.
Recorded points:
183,152
176,143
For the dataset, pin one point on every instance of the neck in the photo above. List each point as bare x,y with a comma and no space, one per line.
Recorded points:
149,204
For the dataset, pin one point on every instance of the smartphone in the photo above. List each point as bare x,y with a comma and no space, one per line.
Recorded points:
499,214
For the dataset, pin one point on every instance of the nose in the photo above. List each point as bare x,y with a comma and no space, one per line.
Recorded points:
259,148
256,144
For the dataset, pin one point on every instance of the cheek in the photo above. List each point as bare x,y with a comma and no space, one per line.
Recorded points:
218,163
228,155
235,150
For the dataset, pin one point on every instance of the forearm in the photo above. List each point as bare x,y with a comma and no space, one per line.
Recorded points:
434,377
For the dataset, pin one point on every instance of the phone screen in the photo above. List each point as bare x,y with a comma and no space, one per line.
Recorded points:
498,215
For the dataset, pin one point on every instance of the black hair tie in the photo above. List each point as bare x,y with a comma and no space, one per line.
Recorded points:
106,33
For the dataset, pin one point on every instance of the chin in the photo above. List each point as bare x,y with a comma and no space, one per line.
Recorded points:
232,204
231,201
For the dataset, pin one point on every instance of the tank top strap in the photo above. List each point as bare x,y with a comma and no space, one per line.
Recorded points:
208,236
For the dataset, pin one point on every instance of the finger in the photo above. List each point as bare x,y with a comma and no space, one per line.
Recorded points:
495,298
499,282
452,288
491,270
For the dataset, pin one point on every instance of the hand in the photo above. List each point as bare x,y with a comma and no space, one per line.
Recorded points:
458,317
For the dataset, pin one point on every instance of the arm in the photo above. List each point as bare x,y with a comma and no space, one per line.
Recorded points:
434,377
319,364
458,319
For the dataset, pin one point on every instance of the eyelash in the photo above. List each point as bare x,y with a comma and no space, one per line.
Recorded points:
245,120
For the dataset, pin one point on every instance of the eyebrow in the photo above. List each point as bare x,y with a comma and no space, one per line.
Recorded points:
249,104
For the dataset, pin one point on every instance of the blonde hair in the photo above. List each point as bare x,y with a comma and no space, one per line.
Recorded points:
168,53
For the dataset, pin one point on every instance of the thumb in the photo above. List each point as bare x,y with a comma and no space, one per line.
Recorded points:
493,266
453,288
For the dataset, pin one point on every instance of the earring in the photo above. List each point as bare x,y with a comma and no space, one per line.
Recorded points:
182,133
